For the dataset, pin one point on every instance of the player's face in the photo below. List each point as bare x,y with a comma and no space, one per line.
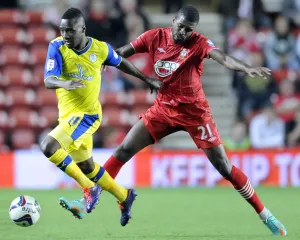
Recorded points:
182,29
72,31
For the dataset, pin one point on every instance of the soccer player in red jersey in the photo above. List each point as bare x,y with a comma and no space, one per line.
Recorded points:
178,55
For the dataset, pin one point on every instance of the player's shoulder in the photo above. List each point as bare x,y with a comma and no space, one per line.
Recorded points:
154,32
57,42
202,39
198,37
98,43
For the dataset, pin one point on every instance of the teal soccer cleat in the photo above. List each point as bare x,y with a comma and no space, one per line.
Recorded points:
275,226
76,207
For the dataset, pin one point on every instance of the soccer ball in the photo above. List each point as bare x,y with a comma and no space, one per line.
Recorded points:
24,211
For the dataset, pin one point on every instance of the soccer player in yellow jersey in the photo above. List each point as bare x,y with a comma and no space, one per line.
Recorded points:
73,68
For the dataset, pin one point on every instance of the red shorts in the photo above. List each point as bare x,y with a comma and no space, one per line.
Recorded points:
163,119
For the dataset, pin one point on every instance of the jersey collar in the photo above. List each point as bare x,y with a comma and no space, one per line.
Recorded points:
85,49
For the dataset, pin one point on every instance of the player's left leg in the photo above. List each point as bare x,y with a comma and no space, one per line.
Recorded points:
241,183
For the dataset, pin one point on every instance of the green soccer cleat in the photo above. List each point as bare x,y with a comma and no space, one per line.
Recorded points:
275,226
76,207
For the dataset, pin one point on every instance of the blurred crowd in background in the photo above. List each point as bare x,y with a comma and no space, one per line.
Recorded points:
268,111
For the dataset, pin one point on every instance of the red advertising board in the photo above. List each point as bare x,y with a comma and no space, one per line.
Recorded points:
192,168
6,170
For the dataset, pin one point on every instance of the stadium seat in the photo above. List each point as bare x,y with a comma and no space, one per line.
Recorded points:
40,35
45,96
23,117
16,76
37,54
48,116
2,98
20,96
34,17
135,111
3,119
3,146
141,97
113,98
10,16
38,75
23,138
116,117
13,55
11,35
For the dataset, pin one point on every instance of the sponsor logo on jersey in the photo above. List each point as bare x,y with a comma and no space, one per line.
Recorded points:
184,53
50,64
165,68
93,57
80,74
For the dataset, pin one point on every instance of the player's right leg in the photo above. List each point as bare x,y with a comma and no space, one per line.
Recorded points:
52,147
241,183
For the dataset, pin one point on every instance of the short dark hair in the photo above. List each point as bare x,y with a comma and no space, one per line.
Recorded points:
190,13
72,13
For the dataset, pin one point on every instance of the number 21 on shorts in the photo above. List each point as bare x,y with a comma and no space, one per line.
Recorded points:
205,132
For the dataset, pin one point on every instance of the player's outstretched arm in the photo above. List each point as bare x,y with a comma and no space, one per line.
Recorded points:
127,67
126,51
55,83
233,63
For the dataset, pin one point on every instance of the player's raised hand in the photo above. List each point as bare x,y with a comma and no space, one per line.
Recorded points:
259,71
154,84
73,84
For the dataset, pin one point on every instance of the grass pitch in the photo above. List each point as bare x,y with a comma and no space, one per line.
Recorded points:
158,214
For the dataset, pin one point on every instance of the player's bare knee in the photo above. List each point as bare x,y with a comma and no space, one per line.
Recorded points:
86,166
49,146
224,167
124,152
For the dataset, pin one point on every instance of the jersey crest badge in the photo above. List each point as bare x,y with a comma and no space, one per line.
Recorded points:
184,53
50,64
93,57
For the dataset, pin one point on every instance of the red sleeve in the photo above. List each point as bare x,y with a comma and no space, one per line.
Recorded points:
144,42
205,46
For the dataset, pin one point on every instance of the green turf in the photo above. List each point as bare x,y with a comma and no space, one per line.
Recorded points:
217,213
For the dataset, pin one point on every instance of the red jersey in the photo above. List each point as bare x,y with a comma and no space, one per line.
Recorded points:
179,66
288,101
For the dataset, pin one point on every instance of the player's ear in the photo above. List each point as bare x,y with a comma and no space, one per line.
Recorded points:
83,29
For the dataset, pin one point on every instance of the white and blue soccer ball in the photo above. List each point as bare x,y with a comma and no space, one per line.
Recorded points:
24,211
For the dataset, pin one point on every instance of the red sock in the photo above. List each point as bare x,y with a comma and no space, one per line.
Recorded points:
242,184
113,166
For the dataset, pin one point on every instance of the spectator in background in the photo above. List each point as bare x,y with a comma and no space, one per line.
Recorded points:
238,139
253,93
242,40
252,10
267,130
52,15
172,6
291,10
285,103
9,3
279,46
293,138
135,27
104,24
128,7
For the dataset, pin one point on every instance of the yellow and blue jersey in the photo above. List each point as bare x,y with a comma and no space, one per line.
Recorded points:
85,65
